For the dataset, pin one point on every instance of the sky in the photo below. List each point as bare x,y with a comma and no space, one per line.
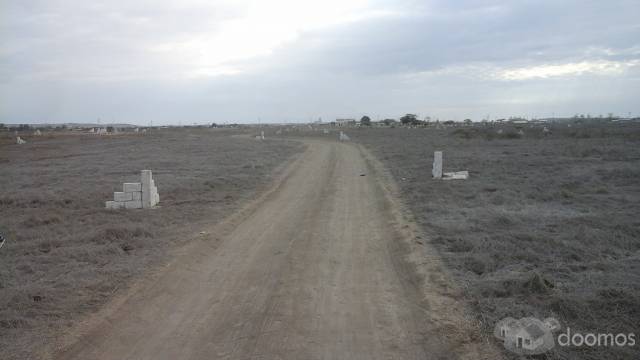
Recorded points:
248,61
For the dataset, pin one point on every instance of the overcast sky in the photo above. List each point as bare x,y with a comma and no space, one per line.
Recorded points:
187,61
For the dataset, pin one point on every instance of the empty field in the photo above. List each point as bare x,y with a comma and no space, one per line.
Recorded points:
355,252
545,226
66,255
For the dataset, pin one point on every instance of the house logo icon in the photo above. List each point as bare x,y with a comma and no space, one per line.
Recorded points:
527,336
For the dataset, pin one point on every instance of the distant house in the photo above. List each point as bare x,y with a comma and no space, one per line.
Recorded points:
345,122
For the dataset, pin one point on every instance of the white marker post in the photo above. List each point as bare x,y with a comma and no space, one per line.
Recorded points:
437,165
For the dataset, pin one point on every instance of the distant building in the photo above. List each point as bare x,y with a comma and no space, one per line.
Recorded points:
345,122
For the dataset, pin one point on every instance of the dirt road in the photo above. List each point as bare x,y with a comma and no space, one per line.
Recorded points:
311,271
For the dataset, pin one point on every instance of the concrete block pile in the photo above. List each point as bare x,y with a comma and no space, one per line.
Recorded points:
344,137
142,195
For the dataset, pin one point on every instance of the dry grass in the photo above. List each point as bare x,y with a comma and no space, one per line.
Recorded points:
65,254
545,226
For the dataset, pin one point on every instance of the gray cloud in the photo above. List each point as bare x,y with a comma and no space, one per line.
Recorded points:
121,62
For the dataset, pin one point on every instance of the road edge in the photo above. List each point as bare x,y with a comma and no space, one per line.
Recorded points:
444,306
195,245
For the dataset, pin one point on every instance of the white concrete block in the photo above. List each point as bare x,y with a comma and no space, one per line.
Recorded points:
147,186
156,196
437,165
146,177
457,175
131,187
19,141
147,200
136,195
122,196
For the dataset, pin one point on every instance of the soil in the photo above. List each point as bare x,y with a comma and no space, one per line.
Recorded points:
319,267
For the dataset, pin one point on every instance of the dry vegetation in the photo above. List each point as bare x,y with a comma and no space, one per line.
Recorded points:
545,226
65,254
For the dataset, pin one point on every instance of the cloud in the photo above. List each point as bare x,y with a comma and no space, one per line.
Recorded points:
237,60
488,71
164,39
602,67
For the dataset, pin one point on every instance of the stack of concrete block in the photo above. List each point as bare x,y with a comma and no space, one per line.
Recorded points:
142,195
19,141
344,137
